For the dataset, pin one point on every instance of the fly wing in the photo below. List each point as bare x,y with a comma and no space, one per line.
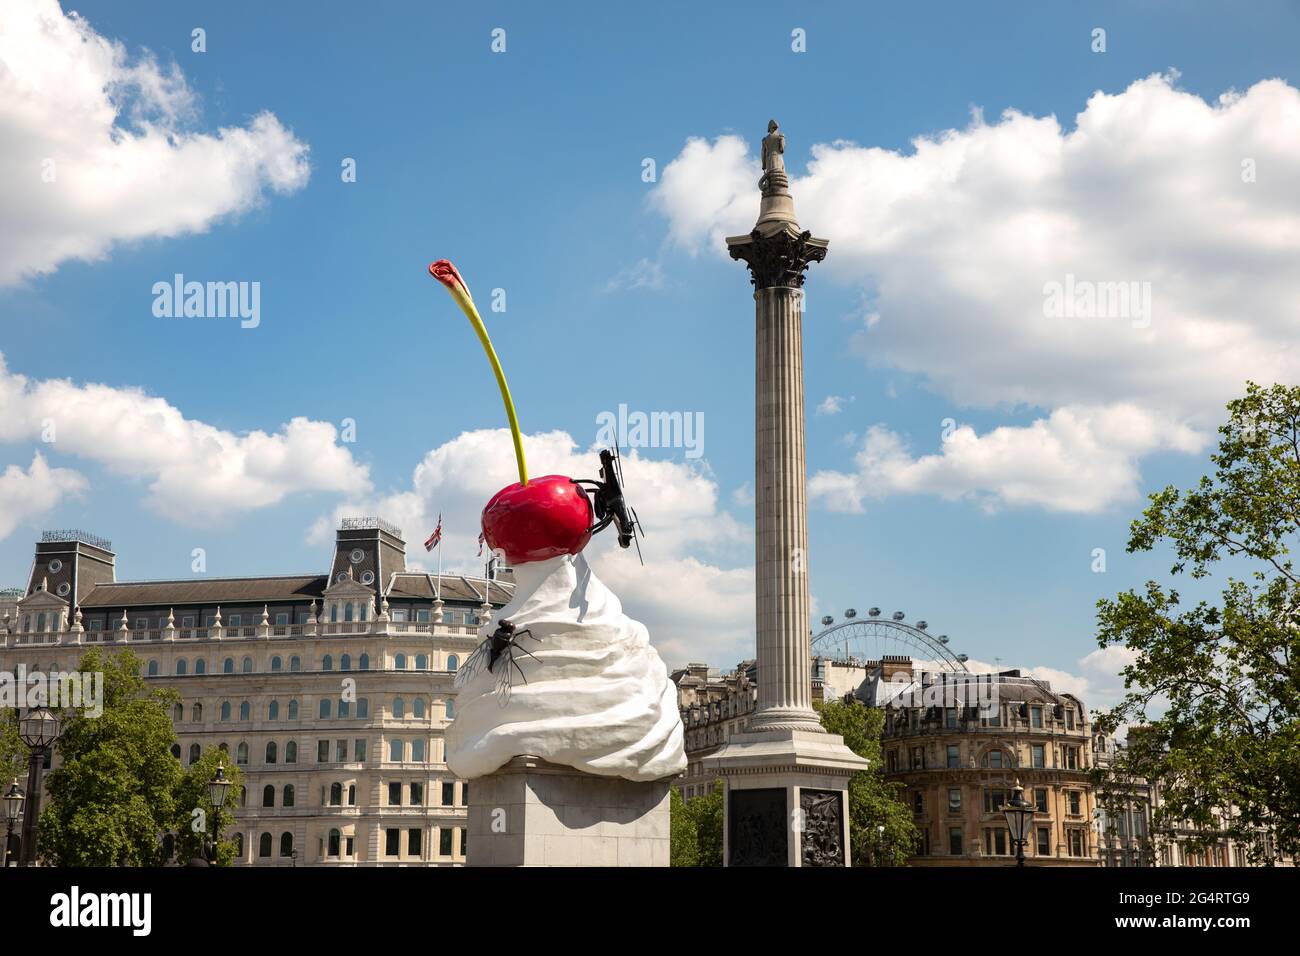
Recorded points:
473,664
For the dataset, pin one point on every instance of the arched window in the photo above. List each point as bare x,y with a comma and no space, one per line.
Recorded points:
239,846
241,754
176,751
291,752
243,796
40,621
324,708
451,708
452,662
194,753
334,841
399,707
992,759
417,707
180,667
248,665
272,751
293,710
276,665
395,751
264,845
228,666
224,747
345,708
347,612
289,795
399,662
268,796
365,609
178,713
153,668
196,713
286,844
365,662
327,663
363,707
295,663
273,710
352,794
334,613
336,794
345,662
421,662
200,666
244,710
225,710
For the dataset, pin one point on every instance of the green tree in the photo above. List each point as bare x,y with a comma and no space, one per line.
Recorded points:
696,828
1226,674
114,793
192,821
13,752
881,830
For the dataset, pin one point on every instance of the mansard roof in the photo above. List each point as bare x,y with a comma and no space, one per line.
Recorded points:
280,589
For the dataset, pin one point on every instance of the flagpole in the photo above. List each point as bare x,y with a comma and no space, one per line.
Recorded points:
439,594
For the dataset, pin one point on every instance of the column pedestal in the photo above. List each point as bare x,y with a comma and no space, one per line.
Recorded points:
535,813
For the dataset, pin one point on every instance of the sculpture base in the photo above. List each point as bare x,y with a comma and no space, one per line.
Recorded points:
535,813
786,798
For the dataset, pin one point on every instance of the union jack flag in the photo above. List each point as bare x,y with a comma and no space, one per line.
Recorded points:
434,538
480,544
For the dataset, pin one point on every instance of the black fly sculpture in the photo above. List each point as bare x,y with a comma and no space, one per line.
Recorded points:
499,648
609,506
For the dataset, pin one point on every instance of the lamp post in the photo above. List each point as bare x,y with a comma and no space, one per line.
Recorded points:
218,788
880,844
1019,814
13,802
39,729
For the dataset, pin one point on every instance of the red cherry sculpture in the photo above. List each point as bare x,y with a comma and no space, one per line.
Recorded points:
543,519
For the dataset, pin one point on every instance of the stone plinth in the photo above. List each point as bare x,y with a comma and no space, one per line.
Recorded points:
535,813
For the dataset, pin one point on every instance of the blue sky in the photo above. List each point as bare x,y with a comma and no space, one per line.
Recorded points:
524,168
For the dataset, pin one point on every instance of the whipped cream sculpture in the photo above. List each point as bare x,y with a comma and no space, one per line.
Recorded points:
563,674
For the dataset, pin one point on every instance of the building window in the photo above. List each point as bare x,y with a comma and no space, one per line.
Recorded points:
892,761
322,751
286,844
200,666
1044,847
449,794
264,845
918,758
421,662
394,794
1076,842
452,660
954,756
1040,799
281,619
995,842
153,668
277,665
241,754
336,794
340,751
359,750
333,845
324,710
1071,758
954,799
1036,717
271,751
417,794
196,712
395,751
994,800
1069,718
392,841
417,707
194,753
950,718
180,667
444,841
399,662
293,710
345,662
345,709
450,708
399,707
273,710
399,615
993,760
1073,798
295,663
228,666
347,613
327,663
235,621
178,713
1038,756
289,795
291,752
365,662
363,707
413,841
954,841
268,796
417,751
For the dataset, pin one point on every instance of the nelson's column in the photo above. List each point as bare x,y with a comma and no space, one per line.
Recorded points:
786,778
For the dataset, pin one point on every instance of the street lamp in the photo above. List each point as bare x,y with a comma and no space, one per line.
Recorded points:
218,788
880,844
13,801
39,729
1019,815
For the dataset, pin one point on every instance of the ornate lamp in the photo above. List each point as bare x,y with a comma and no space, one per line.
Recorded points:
218,788
39,728
1019,815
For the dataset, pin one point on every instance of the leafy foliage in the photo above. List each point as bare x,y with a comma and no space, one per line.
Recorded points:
1227,674
881,829
115,791
192,795
696,828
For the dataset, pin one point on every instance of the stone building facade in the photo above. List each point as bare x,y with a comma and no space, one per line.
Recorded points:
330,692
714,707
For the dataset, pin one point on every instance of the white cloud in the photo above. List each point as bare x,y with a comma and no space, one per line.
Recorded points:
696,591
1078,459
833,404
1097,681
127,163
27,495
954,244
198,473
645,274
